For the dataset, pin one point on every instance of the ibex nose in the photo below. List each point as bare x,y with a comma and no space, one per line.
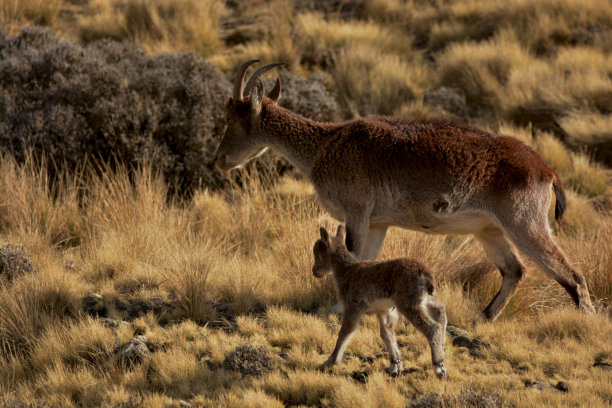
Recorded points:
221,162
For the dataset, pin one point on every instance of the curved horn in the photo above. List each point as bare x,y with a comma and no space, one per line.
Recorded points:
259,72
239,80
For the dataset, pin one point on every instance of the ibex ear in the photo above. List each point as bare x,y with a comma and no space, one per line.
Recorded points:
324,236
257,95
341,233
275,93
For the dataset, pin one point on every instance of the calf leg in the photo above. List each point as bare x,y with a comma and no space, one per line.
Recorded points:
350,324
501,253
387,321
429,317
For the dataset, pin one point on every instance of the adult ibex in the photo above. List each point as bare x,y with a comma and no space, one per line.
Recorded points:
435,176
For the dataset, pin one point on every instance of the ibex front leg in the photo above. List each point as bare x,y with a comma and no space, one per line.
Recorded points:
357,229
374,242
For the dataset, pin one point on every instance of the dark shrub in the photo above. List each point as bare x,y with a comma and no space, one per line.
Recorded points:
248,359
110,101
14,262
308,97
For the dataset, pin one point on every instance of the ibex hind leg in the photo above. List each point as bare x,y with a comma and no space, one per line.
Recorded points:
537,243
501,253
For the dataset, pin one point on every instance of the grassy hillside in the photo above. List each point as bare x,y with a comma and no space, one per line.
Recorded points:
91,257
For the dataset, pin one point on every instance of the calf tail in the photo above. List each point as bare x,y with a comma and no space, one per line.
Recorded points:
427,283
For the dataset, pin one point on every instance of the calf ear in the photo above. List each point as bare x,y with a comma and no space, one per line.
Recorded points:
275,93
324,236
341,233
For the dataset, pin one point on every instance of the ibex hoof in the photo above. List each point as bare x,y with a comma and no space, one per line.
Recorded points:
326,365
440,370
395,371
587,307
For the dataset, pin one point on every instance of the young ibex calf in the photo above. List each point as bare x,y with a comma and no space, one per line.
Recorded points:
381,287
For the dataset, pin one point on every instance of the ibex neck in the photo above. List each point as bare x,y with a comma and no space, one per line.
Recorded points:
298,139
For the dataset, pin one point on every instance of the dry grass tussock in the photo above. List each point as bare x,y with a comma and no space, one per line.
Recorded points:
252,246
157,25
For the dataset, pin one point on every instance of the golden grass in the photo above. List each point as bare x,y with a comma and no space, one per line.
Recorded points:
370,81
14,13
481,70
137,245
523,66
587,128
315,31
158,25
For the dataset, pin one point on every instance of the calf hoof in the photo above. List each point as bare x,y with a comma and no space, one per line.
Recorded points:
396,368
440,370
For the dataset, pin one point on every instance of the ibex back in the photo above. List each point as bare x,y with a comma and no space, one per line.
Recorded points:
435,176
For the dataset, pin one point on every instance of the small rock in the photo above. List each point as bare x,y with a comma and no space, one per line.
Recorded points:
112,323
412,370
360,376
70,266
249,359
258,308
538,385
138,308
562,386
184,404
93,305
461,338
603,364
225,311
522,368
134,351
366,359
451,100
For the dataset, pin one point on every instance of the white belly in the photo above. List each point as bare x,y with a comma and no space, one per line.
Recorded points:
380,305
